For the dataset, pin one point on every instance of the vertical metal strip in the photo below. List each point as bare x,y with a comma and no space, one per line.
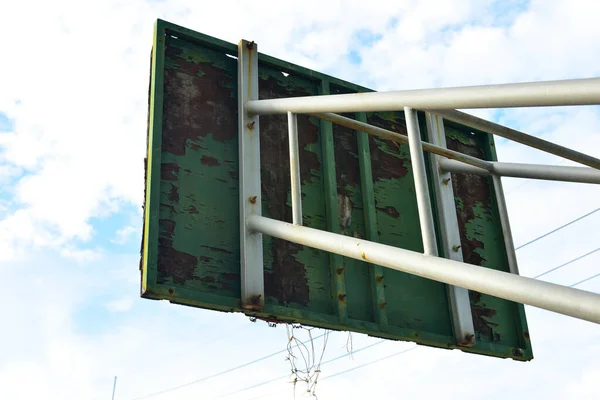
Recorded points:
153,161
417,160
459,297
370,215
336,262
250,191
522,320
296,187
504,221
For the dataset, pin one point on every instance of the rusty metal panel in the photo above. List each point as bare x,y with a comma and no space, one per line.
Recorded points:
351,184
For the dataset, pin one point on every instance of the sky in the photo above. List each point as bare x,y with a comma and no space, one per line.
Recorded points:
73,95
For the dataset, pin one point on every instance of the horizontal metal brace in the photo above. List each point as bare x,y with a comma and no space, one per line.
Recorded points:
490,127
561,299
400,138
531,171
532,94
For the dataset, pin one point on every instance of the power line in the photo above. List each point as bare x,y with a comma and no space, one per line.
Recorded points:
403,351
585,280
279,352
217,374
558,229
567,263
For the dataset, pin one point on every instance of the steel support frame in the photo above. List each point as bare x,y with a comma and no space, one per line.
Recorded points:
295,169
460,303
251,248
531,94
531,171
569,301
549,296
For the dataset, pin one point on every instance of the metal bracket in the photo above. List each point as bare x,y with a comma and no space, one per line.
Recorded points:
442,184
251,250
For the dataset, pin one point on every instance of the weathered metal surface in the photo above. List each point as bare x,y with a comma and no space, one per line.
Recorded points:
191,247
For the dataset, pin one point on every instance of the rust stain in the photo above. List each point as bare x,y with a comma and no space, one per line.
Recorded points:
210,161
169,171
172,263
389,210
189,110
387,166
471,189
168,227
347,171
480,313
217,249
196,146
231,276
233,175
174,194
286,280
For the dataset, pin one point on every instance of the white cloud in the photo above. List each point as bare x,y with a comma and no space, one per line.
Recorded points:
77,94
81,255
120,305
125,233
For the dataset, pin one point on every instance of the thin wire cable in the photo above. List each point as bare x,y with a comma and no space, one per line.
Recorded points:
567,263
353,368
285,376
558,229
279,352
363,348
585,280
214,375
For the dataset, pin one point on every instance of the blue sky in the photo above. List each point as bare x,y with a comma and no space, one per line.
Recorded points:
72,143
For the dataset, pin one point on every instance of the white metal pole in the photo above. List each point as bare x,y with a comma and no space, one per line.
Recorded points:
532,171
509,244
421,187
561,299
114,388
399,138
520,137
251,249
441,181
532,94
296,188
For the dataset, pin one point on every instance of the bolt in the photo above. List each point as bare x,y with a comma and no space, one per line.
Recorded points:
250,125
170,291
456,248
252,199
446,181
379,278
342,296
339,270
382,304
250,45
518,352
255,299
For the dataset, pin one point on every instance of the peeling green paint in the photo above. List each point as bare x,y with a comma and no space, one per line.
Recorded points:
195,208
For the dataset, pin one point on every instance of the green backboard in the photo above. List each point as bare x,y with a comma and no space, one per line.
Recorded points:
191,243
